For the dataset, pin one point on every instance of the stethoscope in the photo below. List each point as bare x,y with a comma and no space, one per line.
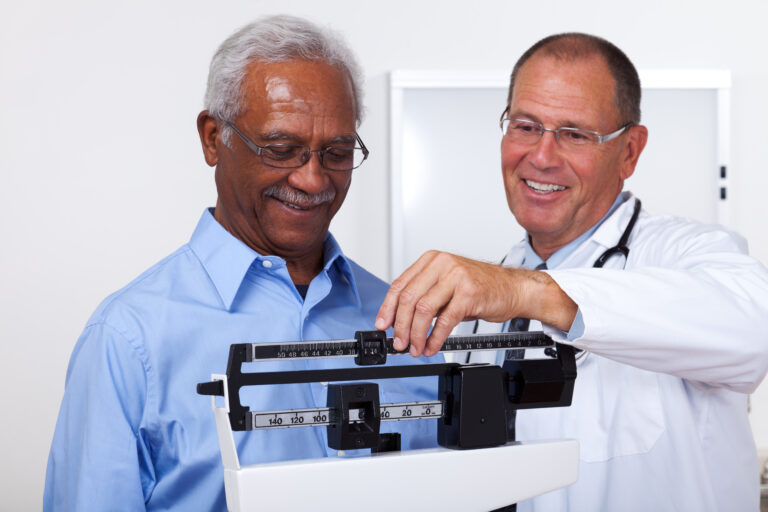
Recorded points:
621,248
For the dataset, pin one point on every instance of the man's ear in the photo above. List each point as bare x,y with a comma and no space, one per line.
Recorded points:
208,129
637,137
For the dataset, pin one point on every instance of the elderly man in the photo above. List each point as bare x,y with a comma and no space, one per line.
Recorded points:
282,107
671,329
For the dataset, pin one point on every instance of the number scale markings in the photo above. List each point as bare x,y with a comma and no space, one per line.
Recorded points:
348,348
322,416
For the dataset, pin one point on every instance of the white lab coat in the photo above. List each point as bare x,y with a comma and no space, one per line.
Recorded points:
676,340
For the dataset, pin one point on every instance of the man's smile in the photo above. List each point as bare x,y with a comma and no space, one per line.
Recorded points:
543,188
298,200
296,206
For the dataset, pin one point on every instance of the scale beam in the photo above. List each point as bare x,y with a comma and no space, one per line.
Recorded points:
372,347
323,416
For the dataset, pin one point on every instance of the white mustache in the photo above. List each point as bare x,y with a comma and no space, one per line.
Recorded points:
293,196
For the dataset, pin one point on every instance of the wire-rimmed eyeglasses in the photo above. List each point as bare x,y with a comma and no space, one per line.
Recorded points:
525,131
289,156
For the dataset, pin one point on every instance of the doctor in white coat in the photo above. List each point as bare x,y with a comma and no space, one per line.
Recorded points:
670,314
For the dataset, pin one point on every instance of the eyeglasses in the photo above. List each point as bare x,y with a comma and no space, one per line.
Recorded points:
289,156
525,131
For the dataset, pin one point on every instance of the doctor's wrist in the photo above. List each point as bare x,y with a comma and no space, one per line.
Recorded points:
542,299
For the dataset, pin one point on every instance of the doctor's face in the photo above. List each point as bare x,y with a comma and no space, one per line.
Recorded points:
557,193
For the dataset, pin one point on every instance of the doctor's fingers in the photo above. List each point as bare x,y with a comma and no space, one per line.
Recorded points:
445,287
446,321
465,290
439,302
391,304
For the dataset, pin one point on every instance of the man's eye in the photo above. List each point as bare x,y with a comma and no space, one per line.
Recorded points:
338,154
282,152
525,128
576,137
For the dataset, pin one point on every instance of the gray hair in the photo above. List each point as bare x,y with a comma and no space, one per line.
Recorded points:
273,39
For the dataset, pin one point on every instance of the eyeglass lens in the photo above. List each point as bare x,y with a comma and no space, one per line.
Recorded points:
336,158
529,132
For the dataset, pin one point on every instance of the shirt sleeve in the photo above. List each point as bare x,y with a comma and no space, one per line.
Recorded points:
577,327
691,304
99,459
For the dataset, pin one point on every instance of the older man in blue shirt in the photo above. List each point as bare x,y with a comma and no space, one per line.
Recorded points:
282,107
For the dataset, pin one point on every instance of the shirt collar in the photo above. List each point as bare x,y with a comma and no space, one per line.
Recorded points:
608,233
531,259
226,259
333,257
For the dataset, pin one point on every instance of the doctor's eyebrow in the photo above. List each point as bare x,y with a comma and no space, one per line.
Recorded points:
520,114
561,123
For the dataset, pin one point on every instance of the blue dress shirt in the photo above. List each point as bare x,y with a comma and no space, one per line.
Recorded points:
132,433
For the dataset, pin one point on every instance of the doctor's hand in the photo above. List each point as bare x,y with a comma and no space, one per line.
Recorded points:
453,289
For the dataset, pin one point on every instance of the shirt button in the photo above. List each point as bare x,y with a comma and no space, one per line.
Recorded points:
266,264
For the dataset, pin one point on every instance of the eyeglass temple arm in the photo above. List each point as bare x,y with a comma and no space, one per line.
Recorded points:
611,136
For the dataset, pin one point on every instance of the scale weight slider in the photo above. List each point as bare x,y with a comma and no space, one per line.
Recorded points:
362,431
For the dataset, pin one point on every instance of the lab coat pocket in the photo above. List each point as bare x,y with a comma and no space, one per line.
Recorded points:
616,410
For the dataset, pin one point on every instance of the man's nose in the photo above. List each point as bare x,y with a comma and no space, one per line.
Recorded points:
546,152
310,177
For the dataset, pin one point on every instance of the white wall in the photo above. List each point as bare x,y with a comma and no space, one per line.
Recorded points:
103,175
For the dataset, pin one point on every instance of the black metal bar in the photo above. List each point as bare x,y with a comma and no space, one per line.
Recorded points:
214,388
345,374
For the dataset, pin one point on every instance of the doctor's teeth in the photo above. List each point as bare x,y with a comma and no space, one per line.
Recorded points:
544,187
